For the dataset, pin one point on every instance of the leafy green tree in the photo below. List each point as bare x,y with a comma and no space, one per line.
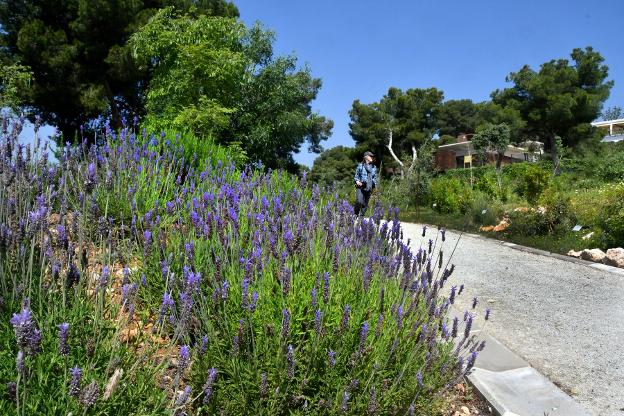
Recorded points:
14,85
492,138
493,113
613,113
458,116
76,52
217,78
560,99
335,165
398,125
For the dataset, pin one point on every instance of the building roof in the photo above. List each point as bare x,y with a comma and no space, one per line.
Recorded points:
467,146
608,123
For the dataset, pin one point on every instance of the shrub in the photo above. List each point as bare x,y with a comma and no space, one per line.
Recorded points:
444,194
554,216
532,181
488,184
493,210
229,292
612,221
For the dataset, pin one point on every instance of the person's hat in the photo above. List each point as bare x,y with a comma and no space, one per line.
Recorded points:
369,154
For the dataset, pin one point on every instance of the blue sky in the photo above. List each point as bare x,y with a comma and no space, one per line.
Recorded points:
466,48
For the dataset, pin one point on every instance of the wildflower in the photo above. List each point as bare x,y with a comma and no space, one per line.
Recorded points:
345,400
74,384
90,394
285,323
419,379
372,401
225,286
244,293
331,355
26,331
165,306
313,296
400,316
424,230
363,335
344,323
212,376
290,360
326,287
254,301
183,397
368,274
468,327
461,287
317,322
184,359
487,314
475,301
452,295
443,232
286,278
63,334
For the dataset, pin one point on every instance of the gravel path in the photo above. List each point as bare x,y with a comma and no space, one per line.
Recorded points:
565,319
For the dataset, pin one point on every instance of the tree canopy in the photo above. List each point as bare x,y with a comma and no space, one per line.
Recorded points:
410,115
494,138
335,165
75,51
216,77
560,99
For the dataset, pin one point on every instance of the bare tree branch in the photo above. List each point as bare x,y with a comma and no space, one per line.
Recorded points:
394,156
414,158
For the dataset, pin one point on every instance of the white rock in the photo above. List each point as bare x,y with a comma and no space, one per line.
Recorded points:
594,254
573,253
615,257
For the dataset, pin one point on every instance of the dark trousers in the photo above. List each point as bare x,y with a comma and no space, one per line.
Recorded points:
361,201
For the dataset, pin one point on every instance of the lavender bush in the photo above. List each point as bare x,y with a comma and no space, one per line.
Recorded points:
185,286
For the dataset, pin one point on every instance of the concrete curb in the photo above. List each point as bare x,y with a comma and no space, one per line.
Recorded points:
513,388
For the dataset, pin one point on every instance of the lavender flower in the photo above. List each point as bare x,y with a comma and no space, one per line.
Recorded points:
225,286
184,359
183,397
363,335
424,230
286,278
344,403
204,345
331,355
254,301
344,323
452,295
372,401
461,288
63,334
245,293
419,379
326,287
487,314
212,376
26,331
368,274
400,316
285,323
74,384
475,301
90,394
468,327
290,361
317,322
313,296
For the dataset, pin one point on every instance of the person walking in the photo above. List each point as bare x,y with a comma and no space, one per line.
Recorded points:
365,181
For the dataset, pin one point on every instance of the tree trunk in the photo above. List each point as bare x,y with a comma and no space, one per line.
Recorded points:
394,156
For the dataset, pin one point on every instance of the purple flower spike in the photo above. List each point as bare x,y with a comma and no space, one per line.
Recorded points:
26,331
475,301
285,323
317,322
184,359
63,334
344,323
363,335
212,376
487,314
344,405
74,384
290,360
331,355
326,287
